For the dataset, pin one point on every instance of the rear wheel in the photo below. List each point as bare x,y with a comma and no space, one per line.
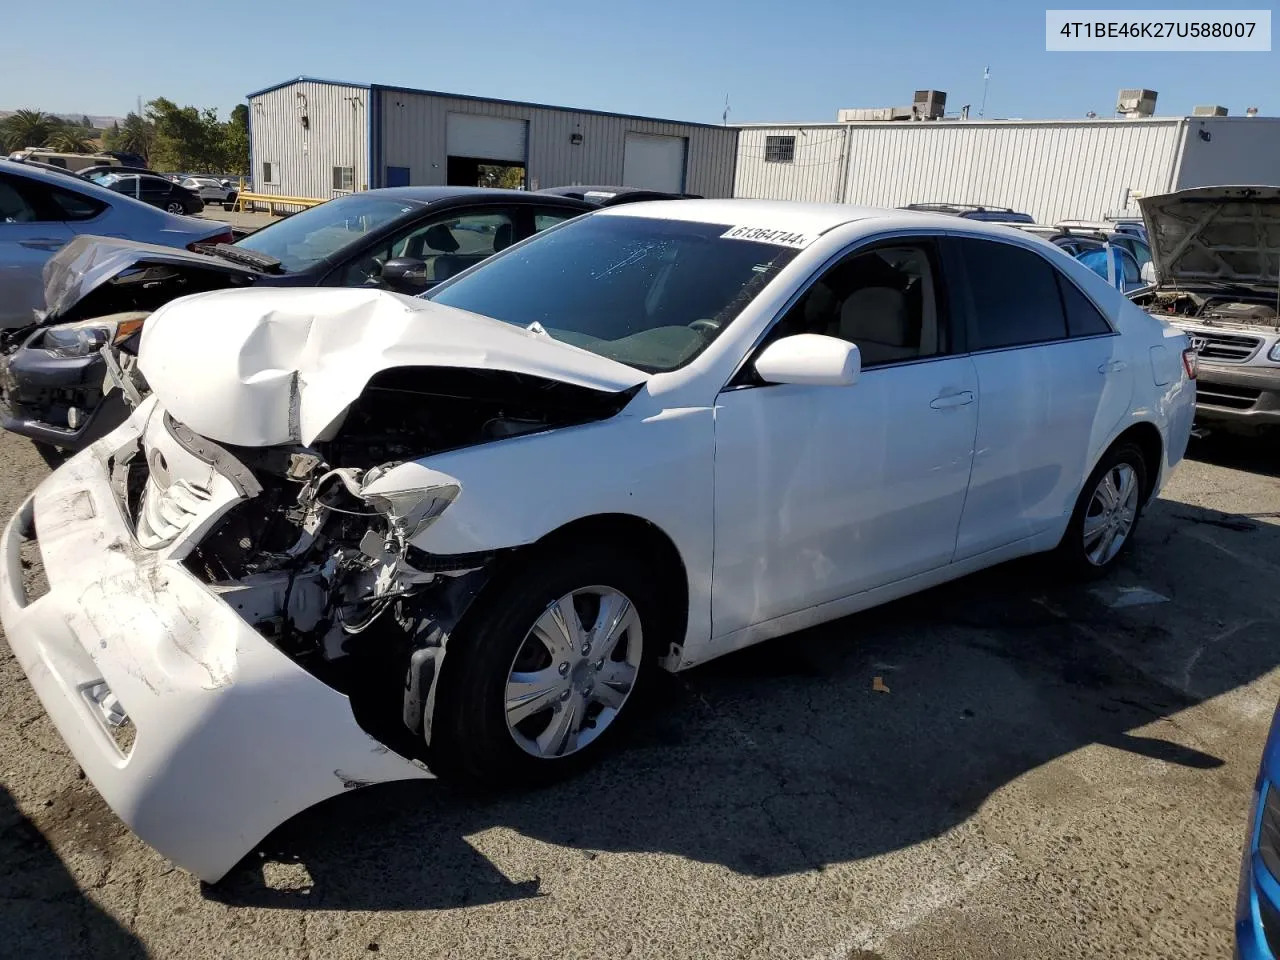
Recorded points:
539,680
174,206
1107,513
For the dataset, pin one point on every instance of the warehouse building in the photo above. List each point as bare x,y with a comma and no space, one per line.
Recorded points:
1051,169
323,138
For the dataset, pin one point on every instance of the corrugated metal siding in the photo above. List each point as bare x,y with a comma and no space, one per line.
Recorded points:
305,158
1239,150
1051,171
815,175
414,136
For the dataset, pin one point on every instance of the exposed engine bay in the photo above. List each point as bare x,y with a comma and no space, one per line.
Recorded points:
314,546
1230,307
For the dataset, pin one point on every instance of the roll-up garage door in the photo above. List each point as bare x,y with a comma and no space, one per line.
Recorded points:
489,138
653,162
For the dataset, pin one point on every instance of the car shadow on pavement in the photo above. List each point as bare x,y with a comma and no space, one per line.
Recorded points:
852,739
43,912
1260,455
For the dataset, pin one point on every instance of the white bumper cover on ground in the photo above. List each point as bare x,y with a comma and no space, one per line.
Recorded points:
232,737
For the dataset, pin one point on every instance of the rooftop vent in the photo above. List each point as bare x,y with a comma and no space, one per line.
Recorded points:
929,104
1213,111
1136,103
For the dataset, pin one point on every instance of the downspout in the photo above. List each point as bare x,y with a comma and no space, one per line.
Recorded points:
1184,127
842,195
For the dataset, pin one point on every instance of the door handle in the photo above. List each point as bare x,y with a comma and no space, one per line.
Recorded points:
1112,366
42,243
946,401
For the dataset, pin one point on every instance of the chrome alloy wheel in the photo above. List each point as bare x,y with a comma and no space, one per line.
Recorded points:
1111,513
573,672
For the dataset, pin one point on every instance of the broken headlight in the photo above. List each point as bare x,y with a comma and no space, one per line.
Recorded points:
409,512
87,337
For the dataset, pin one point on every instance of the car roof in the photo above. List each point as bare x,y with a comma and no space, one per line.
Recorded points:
806,218
437,194
79,184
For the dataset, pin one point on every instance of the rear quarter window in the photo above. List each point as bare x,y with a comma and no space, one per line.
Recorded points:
1014,293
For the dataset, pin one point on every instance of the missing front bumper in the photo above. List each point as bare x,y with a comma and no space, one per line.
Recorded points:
230,736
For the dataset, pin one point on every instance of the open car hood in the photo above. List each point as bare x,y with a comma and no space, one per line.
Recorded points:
1218,234
277,365
94,276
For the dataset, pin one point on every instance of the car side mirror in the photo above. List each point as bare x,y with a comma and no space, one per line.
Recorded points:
405,274
1149,272
810,358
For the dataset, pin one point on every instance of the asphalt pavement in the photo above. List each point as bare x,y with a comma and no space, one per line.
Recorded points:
1003,767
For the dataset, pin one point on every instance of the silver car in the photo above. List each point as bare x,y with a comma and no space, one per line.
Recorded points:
40,211
211,189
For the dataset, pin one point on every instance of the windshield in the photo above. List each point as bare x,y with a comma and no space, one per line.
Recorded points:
305,238
105,179
650,293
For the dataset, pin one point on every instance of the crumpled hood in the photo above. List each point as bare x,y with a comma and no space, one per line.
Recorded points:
272,366
83,266
1223,234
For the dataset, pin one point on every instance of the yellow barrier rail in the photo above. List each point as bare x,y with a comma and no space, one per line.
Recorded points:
247,202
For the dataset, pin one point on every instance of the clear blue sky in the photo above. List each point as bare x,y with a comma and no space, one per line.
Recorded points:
791,60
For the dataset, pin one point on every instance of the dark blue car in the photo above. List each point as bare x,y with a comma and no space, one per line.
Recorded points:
1258,902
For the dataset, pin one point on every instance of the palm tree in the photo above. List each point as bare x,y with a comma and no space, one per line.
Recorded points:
26,128
135,136
68,141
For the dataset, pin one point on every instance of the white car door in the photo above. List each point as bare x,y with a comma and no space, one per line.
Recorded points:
822,492
1053,382
29,236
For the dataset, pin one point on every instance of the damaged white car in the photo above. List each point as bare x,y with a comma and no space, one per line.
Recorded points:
354,536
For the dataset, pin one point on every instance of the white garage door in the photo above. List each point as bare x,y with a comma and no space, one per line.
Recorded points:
489,138
653,163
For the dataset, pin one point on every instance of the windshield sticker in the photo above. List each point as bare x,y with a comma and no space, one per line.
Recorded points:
780,238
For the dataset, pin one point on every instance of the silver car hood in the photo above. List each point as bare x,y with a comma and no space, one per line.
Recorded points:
1214,234
262,367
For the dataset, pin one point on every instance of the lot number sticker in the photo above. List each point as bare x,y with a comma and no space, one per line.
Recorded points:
781,238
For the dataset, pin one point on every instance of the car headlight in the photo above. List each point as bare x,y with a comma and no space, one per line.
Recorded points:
1269,831
88,336
1274,352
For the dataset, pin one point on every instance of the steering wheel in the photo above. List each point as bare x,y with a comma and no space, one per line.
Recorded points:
708,326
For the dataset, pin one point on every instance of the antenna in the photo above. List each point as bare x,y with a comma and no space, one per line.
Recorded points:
725,117
986,82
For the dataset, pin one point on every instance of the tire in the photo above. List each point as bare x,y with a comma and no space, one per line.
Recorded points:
174,206
1122,472
472,737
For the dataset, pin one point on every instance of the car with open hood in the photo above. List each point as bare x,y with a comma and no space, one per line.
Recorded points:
1216,256
58,388
355,536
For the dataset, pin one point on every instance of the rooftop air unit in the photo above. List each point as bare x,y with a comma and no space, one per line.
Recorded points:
1136,103
929,104
1214,111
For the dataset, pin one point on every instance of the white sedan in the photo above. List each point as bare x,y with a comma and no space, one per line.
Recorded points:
352,534
211,190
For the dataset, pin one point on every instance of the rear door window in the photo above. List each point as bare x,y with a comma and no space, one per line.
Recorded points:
1014,293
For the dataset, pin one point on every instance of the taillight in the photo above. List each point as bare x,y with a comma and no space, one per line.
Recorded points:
225,237
1190,362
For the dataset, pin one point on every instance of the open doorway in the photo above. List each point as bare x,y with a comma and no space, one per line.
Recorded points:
482,172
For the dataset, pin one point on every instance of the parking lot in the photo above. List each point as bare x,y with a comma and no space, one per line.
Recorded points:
1050,771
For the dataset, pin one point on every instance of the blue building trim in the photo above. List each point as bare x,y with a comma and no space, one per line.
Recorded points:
373,121
474,99
251,180
293,80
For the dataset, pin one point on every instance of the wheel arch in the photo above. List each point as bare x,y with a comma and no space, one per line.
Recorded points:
1146,437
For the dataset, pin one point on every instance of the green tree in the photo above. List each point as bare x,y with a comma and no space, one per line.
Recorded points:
27,128
68,140
134,136
86,122
235,142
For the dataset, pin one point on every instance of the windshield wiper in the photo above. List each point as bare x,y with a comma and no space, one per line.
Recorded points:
250,257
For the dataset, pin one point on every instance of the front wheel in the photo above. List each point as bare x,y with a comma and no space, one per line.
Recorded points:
1107,513
173,206
540,679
